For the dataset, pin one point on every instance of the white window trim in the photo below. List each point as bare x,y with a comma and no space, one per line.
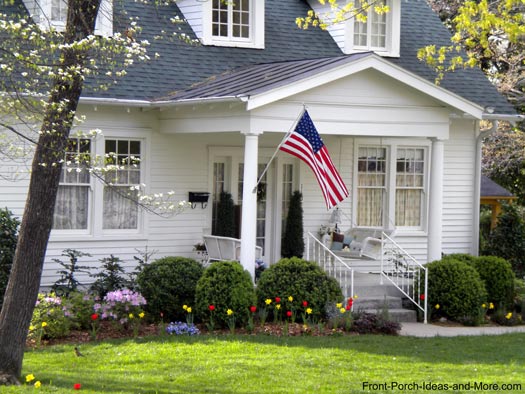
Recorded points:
389,215
393,33
103,24
256,28
96,231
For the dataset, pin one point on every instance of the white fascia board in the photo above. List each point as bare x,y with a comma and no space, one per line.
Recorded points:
370,62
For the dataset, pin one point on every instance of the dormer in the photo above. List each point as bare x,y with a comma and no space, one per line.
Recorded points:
238,23
54,13
380,33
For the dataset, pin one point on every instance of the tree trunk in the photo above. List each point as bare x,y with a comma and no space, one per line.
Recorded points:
24,282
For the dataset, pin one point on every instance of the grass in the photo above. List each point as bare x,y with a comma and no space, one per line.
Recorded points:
267,364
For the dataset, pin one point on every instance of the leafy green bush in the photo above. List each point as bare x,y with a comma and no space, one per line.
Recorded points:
499,279
455,291
507,240
8,238
225,285
79,307
301,279
168,284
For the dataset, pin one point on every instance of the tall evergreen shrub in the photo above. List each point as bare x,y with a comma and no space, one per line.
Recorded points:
225,216
507,240
292,244
8,238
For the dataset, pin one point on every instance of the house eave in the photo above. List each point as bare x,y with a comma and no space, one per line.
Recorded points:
504,117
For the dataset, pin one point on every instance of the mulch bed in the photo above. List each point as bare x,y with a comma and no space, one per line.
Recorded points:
109,331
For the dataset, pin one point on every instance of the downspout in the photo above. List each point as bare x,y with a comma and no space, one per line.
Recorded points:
477,186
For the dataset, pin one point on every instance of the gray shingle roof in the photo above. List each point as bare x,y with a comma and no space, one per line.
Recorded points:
182,66
489,188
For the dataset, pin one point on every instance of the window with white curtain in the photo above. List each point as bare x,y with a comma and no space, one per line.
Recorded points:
391,184
371,186
73,198
410,171
123,171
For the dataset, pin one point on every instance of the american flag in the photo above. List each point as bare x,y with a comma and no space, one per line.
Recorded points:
306,144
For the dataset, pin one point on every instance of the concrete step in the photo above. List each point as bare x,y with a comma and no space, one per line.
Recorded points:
378,303
398,315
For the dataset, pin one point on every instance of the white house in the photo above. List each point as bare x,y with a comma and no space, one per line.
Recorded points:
207,118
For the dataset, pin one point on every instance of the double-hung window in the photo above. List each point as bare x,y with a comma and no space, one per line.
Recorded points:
74,191
391,186
371,186
122,176
410,173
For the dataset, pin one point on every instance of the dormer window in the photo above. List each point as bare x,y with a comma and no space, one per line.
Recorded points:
58,12
235,23
371,34
53,13
380,33
231,20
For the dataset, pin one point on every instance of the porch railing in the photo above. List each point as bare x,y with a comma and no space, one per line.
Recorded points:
332,264
405,272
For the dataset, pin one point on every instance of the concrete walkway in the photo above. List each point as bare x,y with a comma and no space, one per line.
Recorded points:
432,330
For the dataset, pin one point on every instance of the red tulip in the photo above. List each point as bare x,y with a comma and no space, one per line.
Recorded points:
305,303
94,316
277,300
76,386
422,297
253,309
350,303
289,313
211,308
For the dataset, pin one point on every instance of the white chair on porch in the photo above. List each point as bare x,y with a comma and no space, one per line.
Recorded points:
225,249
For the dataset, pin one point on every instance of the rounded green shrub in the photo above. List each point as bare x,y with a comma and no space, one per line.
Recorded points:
499,279
8,239
169,283
303,281
458,290
225,285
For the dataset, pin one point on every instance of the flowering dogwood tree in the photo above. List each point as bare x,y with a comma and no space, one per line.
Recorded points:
44,71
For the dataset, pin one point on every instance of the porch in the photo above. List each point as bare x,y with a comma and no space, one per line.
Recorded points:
385,280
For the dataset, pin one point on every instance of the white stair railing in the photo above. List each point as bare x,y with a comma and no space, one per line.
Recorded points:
405,272
317,252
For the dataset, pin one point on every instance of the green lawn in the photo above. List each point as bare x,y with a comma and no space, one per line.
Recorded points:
264,364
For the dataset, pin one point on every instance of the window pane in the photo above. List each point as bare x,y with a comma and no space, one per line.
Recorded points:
71,208
409,186
371,189
120,210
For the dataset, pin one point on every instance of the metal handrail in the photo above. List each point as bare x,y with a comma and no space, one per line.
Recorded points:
405,273
332,264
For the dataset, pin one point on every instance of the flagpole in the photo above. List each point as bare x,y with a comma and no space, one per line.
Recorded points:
294,124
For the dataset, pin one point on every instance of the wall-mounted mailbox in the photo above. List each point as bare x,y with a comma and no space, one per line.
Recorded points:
198,197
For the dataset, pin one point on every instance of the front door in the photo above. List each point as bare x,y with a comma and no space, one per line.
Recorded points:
273,194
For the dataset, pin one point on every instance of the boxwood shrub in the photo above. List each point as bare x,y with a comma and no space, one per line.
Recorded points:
458,290
304,281
499,279
225,285
169,283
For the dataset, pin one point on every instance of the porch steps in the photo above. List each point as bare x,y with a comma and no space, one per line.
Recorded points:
374,297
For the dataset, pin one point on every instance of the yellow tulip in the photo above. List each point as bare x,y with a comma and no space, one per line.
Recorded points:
229,312
268,301
290,298
30,377
44,324
38,384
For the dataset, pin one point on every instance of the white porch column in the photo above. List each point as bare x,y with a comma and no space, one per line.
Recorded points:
249,203
435,214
